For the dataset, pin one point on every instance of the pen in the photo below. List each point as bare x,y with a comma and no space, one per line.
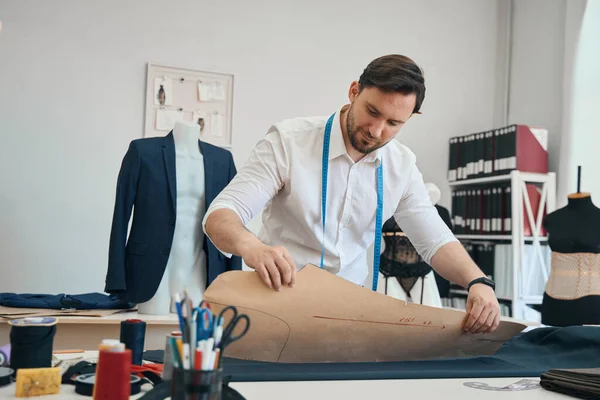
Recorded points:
175,351
198,359
218,335
179,344
216,363
179,311
192,332
198,348
208,359
186,356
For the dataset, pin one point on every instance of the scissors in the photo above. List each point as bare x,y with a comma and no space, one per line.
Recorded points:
228,336
204,323
205,304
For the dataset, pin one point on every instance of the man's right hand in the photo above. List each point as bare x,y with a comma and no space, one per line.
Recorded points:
273,263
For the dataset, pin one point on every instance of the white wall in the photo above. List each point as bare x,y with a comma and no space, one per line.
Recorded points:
73,73
583,132
547,77
567,170
536,75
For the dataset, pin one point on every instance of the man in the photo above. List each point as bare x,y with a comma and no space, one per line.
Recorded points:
284,173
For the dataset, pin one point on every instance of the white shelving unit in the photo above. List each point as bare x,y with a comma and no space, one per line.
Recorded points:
523,268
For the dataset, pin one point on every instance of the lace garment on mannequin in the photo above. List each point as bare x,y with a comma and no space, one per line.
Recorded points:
400,258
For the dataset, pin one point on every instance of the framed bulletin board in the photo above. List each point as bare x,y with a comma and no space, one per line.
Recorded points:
195,96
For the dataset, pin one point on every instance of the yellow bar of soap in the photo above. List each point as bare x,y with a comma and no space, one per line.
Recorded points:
38,381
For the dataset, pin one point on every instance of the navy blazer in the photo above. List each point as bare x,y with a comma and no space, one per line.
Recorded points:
147,183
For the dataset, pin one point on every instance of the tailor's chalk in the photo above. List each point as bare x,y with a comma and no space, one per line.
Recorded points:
6,376
32,382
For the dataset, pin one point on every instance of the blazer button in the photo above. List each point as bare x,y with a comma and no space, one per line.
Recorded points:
166,252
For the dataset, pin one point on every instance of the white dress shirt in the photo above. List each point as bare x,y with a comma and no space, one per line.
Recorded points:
283,174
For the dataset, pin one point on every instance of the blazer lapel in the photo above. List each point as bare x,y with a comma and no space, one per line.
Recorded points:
208,173
169,159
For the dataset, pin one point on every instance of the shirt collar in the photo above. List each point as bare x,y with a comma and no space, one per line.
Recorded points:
337,147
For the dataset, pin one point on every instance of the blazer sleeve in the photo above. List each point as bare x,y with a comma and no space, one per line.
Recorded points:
124,200
233,262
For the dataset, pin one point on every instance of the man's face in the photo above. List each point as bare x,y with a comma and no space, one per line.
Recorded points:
375,117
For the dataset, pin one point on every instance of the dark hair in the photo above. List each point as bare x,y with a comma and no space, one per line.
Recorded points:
395,73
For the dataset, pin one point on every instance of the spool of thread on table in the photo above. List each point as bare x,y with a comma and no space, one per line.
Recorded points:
113,373
5,355
133,333
31,342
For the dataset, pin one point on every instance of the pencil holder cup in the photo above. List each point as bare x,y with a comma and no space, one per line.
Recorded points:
190,384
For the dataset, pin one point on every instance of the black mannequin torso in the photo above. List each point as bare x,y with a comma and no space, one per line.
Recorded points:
574,239
574,228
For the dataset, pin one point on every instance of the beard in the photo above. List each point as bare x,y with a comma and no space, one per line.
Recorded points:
361,140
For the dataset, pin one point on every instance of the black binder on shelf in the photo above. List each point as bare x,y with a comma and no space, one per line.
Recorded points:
482,210
453,160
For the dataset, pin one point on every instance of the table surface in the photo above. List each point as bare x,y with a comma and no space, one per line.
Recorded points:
169,319
359,390
348,390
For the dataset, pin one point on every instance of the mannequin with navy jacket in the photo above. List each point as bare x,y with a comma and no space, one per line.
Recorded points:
168,182
186,267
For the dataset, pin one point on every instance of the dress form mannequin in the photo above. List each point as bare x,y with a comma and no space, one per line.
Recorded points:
435,194
414,279
572,294
186,267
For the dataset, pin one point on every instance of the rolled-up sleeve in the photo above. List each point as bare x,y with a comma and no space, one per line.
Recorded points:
420,220
256,183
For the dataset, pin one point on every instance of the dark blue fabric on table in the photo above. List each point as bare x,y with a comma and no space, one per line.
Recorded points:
86,301
526,355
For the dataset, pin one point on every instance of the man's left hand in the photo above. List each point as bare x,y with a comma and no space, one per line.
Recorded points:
483,310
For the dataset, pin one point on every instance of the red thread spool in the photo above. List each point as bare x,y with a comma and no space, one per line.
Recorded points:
113,375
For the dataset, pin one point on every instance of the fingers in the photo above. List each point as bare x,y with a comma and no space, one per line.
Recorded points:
484,317
489,321
482,322
495,323
264,275
284,269
285,265
275,266
273,274
292,265
475,312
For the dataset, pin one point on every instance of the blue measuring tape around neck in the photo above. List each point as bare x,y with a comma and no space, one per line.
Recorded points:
377,246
